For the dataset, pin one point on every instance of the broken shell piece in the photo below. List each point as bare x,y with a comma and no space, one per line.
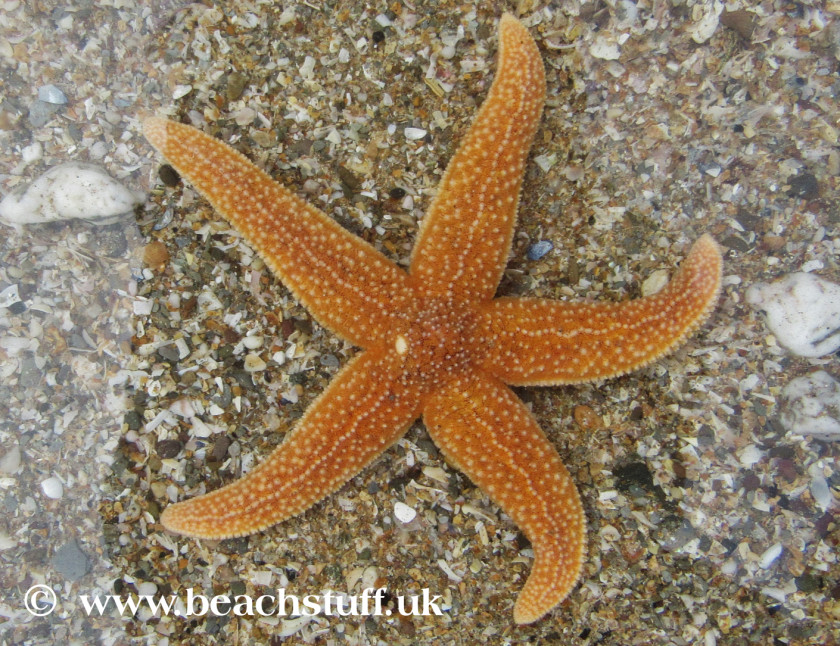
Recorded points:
69,191
802,311
812,406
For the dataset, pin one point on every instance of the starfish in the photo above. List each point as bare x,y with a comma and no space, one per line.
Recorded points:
434,341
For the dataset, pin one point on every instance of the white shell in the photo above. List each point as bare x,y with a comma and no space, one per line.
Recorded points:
68,191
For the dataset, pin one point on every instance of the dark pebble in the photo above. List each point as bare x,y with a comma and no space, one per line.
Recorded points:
396,193
133,420
634,473
167,449
169,353
349,179
236,84
803,186
220,448
168,175
808,583
750,482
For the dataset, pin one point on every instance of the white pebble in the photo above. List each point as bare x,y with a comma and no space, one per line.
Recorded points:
253,363
770,554
821,492
749,455
253,342
51,94
412,134
147,589
404,513
10,462
802,311
606,50
32,152
655,282
68,191
811,406
52,488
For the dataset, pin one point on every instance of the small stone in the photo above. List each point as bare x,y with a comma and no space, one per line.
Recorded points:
51,94
236,84
539,249
70,561
808,583
655,282
169,353
10,462
52,488
821,492
168,175
168,449
803,186
413,134
253,363
253,342
40,113
770,555
155,254
605,49
587,419
404,513
740,21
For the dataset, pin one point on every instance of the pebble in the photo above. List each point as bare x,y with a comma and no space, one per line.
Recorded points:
68,191
811,406
51,94
404,513
253,342
413,134
253,363
539,249
655,282
802,311
52,488
587,419
770,554
70,561
10,462
40,112
821,491
155,254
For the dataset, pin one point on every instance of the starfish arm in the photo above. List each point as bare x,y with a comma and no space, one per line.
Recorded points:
465,238
485,431
542,342
346,284
364,410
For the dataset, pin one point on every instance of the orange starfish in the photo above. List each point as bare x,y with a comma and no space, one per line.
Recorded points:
435,341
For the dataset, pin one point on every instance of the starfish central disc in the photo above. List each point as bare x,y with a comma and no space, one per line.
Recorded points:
432,345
